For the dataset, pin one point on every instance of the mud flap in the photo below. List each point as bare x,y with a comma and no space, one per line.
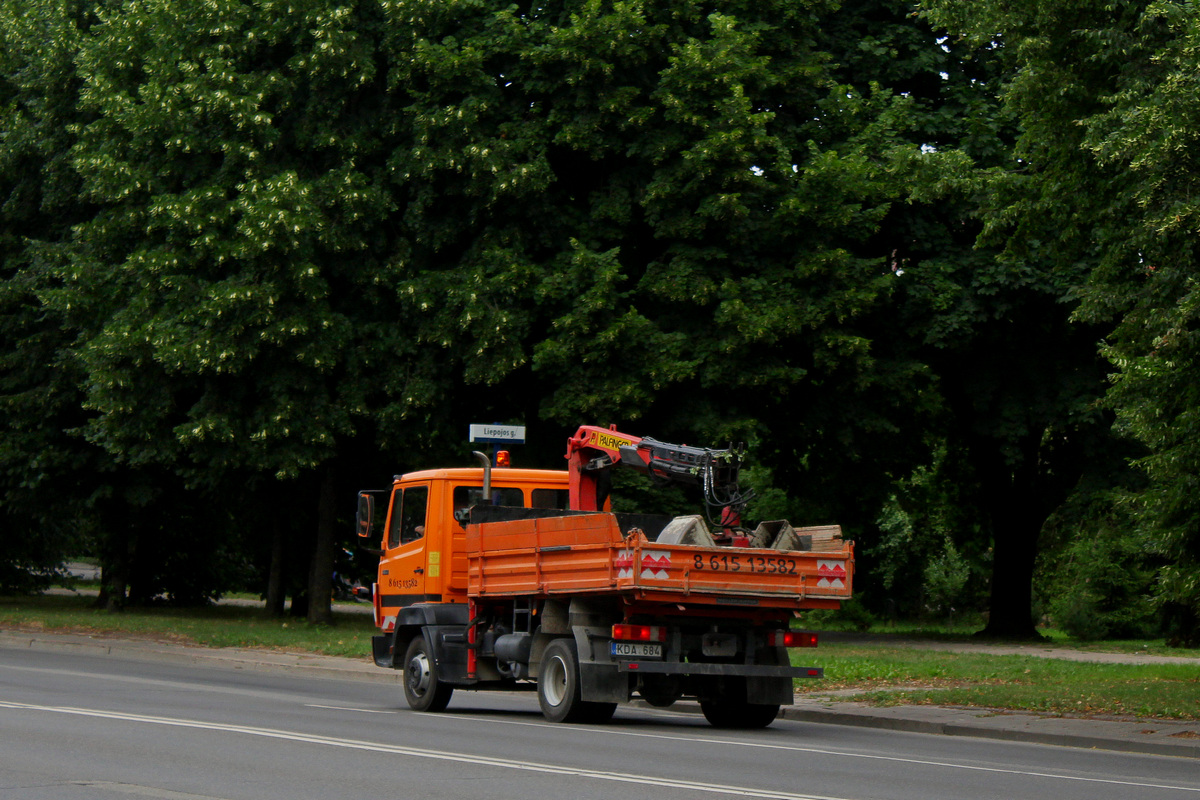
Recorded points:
381,650
770,691
602,683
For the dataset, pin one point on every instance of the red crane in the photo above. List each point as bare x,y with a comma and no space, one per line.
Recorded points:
593,450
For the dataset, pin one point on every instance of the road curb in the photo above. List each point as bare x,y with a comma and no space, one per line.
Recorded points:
1144,742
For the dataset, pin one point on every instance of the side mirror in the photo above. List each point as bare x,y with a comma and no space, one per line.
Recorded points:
365,514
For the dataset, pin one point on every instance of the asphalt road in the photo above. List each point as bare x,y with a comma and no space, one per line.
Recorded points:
74,726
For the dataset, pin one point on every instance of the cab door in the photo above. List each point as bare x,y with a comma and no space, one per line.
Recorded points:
403,569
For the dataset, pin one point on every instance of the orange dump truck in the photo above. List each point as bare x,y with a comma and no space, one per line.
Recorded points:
490,579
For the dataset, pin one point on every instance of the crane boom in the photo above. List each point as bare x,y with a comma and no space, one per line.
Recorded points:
593,450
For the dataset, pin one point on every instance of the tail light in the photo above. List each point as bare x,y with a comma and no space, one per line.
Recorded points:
791,639
639,633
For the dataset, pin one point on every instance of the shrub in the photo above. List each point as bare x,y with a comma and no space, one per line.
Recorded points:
1104,586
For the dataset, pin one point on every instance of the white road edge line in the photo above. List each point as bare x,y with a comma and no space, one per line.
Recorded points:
477,760
348,708
143,791
822,751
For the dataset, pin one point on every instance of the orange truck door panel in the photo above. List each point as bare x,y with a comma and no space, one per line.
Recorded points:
404,571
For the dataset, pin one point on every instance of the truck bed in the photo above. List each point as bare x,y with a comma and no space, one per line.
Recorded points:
572,553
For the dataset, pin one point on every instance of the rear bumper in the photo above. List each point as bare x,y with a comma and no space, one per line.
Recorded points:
702,668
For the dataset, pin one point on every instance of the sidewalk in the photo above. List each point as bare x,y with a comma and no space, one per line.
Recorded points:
1155,737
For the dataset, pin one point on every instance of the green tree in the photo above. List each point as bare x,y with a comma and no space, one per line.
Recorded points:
1148,130
1104,190
753,222
320,226
658,214
48,478
1022,378
223,289
1003,420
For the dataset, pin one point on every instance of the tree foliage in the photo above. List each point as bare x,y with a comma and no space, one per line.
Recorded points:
1149,131
1102,93
239,207
39,383
254,251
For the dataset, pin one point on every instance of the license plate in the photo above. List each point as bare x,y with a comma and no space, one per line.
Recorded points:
636,649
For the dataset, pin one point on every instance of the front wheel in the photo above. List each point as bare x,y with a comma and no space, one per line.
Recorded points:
422,689
742,716
558,687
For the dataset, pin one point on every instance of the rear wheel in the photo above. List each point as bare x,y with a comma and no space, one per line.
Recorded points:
743,716
422,689
558,687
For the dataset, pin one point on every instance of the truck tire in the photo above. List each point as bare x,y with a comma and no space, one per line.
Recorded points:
741,716
422,689
558,687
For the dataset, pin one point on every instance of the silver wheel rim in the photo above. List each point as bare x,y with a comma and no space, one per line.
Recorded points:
555,681
418,674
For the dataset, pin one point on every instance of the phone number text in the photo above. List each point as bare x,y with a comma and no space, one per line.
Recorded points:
728,563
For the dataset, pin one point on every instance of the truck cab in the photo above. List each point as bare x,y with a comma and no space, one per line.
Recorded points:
424,526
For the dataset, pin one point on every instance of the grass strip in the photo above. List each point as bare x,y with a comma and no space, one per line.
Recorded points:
214,626
886,674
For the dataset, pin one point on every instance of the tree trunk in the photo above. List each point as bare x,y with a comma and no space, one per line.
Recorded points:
114,574
276,587
320,581
102,599
1014,551
1018,499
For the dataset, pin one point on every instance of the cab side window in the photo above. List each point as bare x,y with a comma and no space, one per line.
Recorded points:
408,515
550,498
412,513
467,496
